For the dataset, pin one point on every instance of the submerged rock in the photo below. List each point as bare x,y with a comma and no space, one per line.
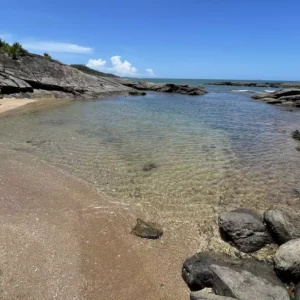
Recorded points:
147,230
149,166
278,226
137,93
287,261
245,279
296,135
244,229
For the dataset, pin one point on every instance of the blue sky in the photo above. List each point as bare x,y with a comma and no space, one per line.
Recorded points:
233,39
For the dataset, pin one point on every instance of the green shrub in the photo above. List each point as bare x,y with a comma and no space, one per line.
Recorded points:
16,51
47,55
4,47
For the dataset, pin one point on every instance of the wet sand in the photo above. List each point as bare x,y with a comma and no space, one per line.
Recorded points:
61,239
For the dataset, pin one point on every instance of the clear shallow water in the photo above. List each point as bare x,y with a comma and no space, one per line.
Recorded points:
215,152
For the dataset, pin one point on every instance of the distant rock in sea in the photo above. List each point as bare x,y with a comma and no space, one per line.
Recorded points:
258,84
165,87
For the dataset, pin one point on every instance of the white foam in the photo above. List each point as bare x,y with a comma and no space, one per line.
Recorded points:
242,91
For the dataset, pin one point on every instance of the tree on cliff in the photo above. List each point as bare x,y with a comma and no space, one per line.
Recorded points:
15,50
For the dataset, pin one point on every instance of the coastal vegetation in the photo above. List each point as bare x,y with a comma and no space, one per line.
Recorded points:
15,50
47,55
90,71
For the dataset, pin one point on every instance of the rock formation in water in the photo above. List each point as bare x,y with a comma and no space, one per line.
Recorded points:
147,230
290,97
258,84
35,76
166,88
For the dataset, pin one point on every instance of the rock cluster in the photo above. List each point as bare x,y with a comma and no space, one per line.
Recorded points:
289,97
166,88
247,278
244,229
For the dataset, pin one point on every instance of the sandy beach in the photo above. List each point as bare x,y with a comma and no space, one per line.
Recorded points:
7,104
62,239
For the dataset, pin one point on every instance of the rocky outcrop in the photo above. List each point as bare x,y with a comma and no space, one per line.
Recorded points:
289,97
34,76
244,229
287,261
244,279
165,87
35,73
258,84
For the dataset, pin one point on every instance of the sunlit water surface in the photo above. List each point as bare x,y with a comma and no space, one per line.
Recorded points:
215,152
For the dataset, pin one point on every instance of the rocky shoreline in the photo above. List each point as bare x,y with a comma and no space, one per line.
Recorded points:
288,97
34,76
217,276
258,84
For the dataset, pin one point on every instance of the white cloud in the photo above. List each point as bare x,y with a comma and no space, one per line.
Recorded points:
56,47
123,68
96,63
150,72
118,67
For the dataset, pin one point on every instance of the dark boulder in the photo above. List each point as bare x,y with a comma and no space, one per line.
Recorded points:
278,226
147,230
287,261
245,279
244,229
